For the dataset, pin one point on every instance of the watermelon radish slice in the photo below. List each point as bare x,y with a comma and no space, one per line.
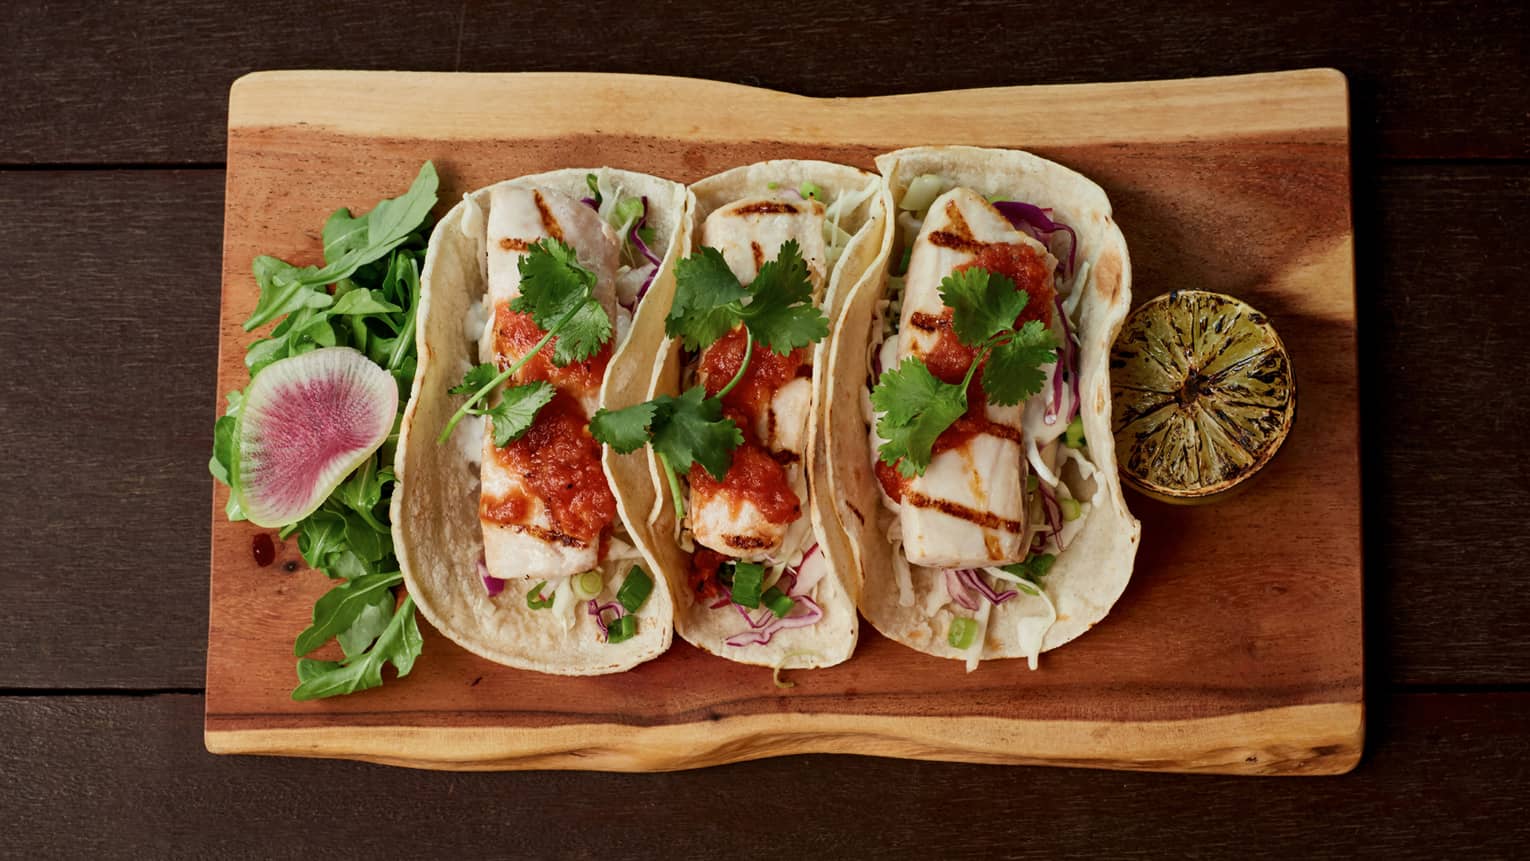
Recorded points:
307,422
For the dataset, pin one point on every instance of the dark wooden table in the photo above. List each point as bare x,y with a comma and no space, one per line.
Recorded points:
111,188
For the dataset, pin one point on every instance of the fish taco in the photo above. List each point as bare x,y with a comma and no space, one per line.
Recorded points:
968,408
758,566
541,302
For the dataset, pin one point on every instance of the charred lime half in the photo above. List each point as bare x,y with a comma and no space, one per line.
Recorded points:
1203,394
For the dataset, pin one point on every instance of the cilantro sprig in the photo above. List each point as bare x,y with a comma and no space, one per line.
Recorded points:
917,407
777,309
683,431
365,296
559,294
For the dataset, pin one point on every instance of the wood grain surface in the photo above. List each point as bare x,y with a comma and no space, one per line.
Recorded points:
1237,649
116,93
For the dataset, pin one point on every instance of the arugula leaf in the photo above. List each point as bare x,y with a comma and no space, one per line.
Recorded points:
917,406
982,303
284,288
341,606
707,299
363,301
517,410
1014,372
373,263
398,644
777,309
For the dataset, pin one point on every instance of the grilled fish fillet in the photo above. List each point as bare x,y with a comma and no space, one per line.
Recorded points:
748,233
532,545
968,509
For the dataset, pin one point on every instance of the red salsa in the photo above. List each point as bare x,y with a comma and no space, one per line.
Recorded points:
515,333
559,462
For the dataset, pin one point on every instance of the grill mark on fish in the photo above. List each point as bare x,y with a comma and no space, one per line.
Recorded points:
746,542
957,242
991,544
549,223
550,536
759,254
766,207
985,519
926,322
510,243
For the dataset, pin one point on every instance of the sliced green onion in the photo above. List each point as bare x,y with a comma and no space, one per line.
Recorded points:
994,198
908,253
587,585
1070,508
1030,481
748,578
921,192
779,602
534,598
772,185
1073,437
963,631
635,589
808,189
594,185
621,629
627,211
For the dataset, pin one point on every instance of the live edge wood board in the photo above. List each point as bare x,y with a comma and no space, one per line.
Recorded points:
1237,646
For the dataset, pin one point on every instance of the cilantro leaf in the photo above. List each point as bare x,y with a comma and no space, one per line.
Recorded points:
707,299
982,304
475,379
691,429
625,430
683,430
559,294
918,406
1013,372
517,409
781,313
777,308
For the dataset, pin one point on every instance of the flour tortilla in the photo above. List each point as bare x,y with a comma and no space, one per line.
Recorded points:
832,639
1092,572
436,531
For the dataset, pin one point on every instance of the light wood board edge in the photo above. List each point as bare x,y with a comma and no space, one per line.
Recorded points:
1321,739
540,105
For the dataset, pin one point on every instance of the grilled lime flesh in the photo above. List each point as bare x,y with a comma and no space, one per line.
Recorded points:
1203,392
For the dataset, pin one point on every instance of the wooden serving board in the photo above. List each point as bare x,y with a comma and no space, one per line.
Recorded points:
1236,648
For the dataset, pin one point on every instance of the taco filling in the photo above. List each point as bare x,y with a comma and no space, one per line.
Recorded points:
972,405
564,276
733,450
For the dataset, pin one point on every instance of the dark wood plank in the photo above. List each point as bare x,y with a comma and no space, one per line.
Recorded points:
89,82
1442,256
107,344
1444,259
114,774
